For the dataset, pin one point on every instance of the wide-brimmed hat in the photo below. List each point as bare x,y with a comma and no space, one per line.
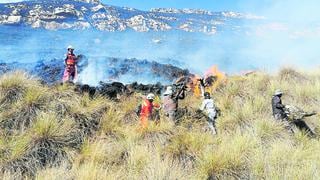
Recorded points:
278,92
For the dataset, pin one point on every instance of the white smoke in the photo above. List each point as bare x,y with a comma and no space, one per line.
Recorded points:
93,73
288,36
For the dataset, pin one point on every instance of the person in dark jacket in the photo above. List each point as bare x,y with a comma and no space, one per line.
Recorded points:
278,110
277,106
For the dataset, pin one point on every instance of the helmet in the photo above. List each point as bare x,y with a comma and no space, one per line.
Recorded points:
70,47
150,96
168,91
278,92
207,95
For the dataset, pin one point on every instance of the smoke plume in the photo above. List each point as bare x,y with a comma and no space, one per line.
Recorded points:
287,36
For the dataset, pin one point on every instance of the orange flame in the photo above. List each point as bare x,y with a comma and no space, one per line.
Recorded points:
219,77
196,85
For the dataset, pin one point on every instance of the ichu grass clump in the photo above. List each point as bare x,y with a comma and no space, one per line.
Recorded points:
88,113
19,109
42,145
14,85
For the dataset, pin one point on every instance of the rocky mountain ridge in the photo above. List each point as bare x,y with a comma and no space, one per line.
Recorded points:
92,14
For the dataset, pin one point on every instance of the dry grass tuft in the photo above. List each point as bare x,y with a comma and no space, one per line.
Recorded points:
289,74
13,86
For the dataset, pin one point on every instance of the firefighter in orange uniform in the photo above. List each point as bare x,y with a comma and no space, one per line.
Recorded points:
70,72
146,112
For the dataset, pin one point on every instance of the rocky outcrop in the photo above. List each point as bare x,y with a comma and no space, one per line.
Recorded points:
90,1
86,14
181,11
119,67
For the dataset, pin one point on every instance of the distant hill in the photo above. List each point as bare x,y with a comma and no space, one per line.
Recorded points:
91,14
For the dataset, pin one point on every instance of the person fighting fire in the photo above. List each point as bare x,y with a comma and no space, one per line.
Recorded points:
70,72
170,102
209,108
146,110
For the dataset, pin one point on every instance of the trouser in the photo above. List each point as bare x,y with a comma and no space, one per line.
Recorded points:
212,121
70,74
212,127
144,122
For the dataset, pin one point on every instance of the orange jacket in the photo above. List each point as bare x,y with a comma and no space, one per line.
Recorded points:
147,108
71,59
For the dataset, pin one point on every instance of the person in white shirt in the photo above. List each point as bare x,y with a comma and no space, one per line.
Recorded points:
208,107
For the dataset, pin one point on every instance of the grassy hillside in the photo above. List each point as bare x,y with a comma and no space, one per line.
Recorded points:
55,133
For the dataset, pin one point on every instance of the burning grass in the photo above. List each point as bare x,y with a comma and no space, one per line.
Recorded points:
55,132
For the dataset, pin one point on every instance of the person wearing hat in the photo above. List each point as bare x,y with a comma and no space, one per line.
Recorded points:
277,106
170,102
289,115
70,72
146,110
278,110
208,106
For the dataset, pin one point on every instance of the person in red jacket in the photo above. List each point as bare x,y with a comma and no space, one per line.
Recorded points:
70,72
147,107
